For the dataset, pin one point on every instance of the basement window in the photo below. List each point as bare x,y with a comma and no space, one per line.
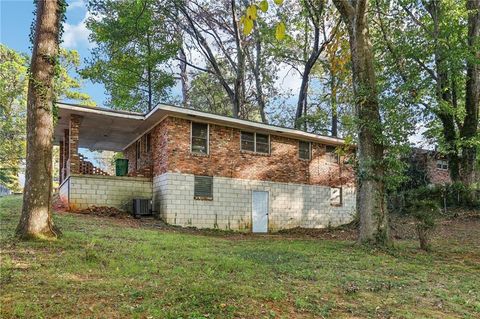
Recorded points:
255,142
304,150
199,138
203,188
442,164
336,196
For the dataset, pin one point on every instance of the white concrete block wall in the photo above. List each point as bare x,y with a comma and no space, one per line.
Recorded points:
290,205
83,191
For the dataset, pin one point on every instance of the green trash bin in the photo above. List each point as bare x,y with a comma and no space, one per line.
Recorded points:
121,167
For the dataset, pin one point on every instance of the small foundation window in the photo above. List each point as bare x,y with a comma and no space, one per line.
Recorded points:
336,196
203,188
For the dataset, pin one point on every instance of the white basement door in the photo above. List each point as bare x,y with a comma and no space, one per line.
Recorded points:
259,212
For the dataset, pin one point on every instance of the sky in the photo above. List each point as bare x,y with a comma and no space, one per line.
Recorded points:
16,17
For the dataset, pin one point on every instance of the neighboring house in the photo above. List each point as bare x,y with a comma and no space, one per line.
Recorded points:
432,165
4,191
206,170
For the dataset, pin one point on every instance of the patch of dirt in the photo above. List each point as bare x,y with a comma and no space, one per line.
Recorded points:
458,225
346,232
104,211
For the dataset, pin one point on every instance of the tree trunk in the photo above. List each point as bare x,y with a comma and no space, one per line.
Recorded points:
36,220
184,78
302,94
149,74
472,96
371,205
333,104
258,79
444,93
239,85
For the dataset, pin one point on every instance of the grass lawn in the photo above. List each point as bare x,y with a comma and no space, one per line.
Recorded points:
102,268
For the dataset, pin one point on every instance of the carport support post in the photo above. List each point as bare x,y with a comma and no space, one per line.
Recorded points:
60,163
66,152
73,144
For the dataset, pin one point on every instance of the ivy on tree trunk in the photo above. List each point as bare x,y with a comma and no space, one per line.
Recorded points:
36,218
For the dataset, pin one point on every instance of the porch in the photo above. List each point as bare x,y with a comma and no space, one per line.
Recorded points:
83,184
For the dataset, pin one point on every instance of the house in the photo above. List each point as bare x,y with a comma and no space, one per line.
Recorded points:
431,165
206,170
4,190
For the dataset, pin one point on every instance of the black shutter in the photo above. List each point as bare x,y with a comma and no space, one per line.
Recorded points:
203,187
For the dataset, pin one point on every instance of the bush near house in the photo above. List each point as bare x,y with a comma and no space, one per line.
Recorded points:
109,268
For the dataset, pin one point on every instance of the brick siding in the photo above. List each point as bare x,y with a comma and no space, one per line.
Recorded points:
171,153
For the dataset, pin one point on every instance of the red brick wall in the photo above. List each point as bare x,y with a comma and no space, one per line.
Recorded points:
437,175
141,166
171,153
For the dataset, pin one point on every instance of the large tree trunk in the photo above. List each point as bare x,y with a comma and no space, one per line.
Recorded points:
36,219
303,93
472,95
256,67
371,205
333,103
444,92
184,78
239,85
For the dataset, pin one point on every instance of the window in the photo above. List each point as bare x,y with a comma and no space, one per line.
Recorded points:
255,142
262,144
148,145
442,164
137,149
332,156
203,187
336,196
248,141
199,138
304,150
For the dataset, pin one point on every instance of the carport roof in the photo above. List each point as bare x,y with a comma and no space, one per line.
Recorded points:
106,129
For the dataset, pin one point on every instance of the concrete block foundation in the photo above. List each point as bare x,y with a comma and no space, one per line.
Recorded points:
83,191
290,205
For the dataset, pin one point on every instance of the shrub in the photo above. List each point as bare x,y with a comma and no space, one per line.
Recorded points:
425,212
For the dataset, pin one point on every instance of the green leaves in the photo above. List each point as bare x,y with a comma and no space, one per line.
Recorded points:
280,31
251,14
263,6
134,46
247,26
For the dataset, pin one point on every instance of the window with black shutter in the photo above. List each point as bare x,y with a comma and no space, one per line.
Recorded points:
199,138
304,150
203,188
